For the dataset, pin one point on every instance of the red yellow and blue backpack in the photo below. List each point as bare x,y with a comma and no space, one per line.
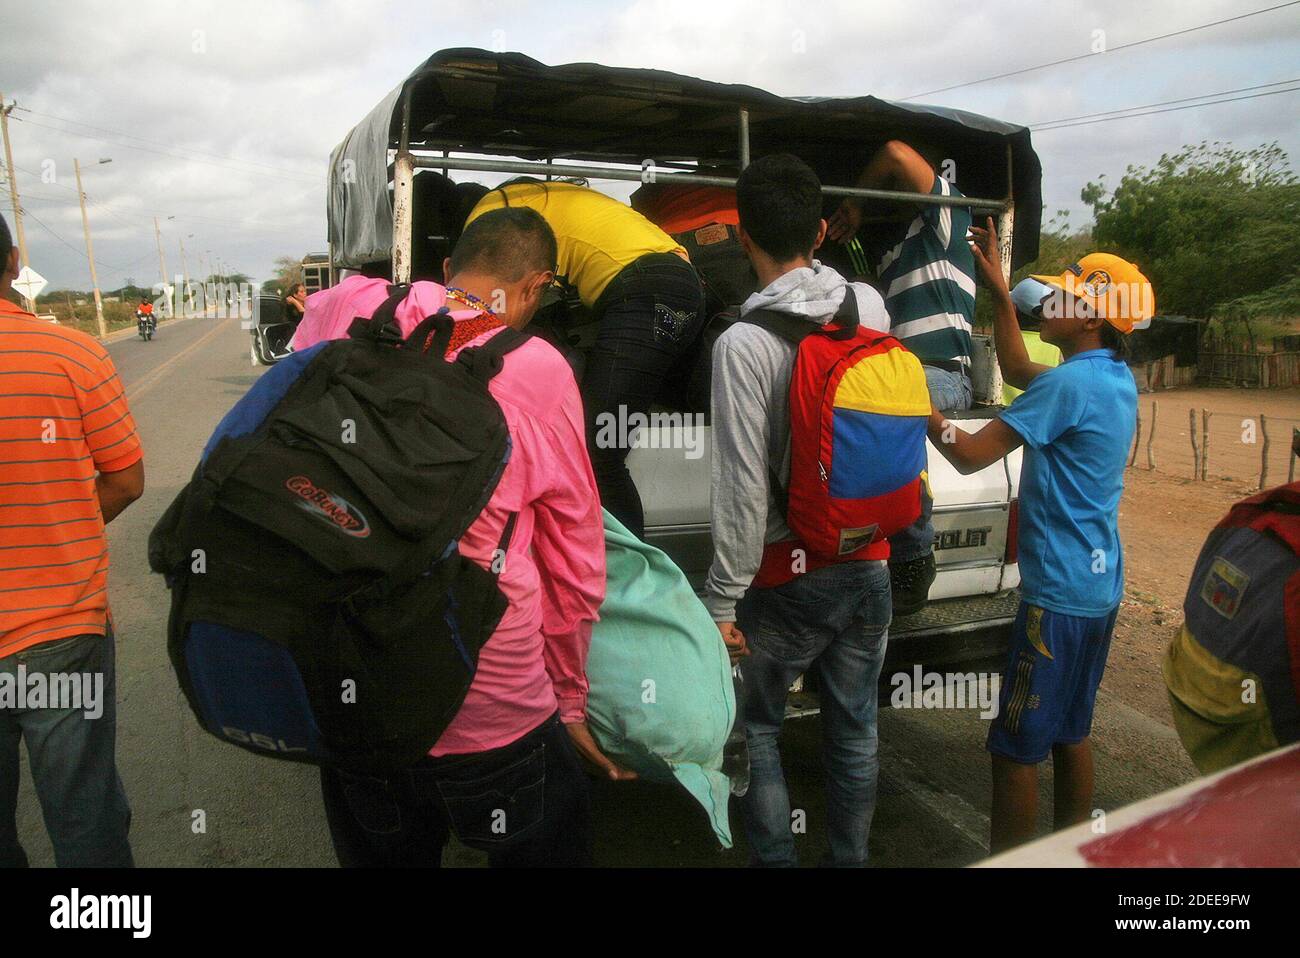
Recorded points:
858,412
1233,670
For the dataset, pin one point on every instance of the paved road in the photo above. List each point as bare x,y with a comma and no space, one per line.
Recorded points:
935,778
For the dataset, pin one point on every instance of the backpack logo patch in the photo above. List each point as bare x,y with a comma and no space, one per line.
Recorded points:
851,540
335,510
1223,587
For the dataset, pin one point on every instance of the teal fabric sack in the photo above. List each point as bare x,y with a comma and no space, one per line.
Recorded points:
661,700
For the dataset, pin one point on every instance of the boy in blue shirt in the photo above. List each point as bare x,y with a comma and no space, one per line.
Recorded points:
1076,422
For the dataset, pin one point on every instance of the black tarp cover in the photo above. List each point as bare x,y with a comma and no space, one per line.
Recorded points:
508,104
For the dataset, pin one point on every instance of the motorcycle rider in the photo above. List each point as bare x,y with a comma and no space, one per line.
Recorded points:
144,319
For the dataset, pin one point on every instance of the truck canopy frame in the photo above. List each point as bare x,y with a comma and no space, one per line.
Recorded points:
656,126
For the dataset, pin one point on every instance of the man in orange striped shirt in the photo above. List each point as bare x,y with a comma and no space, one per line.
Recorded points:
70,462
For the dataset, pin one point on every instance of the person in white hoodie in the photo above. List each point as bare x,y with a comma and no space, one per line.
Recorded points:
776,620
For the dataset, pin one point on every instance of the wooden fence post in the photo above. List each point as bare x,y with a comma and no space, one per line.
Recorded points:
1137,439
1205,443
1151,437
1292,456
1263,452
1191,432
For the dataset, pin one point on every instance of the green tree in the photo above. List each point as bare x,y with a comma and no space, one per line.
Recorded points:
288,273
1212,227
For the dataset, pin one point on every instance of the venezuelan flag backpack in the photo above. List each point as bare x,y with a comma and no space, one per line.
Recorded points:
858,412
1233,670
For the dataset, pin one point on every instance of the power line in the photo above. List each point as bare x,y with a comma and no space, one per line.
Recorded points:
29,195
1114,49
149,211
123,270
79,252
293,178
188,149
1186,99
1172,109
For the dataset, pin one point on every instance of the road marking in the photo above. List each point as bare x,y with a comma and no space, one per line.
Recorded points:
151,379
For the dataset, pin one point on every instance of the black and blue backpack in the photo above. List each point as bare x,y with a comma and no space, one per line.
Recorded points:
320,609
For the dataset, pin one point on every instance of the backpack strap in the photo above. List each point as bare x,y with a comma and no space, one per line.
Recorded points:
382,324
792,329
440,325
422,559
779,491
486,361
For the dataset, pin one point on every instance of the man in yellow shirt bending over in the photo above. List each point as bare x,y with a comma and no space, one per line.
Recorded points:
649,305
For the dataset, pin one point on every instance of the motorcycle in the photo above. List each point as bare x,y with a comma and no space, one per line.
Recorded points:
145,324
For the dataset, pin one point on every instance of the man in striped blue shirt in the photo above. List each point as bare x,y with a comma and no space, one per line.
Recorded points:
926,274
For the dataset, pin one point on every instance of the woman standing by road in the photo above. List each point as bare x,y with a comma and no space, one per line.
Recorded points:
295,303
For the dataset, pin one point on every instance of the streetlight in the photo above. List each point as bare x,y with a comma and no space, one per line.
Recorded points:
90,248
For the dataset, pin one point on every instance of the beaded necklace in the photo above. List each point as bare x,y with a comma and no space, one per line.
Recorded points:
470,300
465,330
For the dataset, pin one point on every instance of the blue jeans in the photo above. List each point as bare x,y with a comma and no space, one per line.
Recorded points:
406,822
73,762
838,618
947,391
651,313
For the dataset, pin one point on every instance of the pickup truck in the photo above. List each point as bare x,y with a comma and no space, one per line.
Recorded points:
479,112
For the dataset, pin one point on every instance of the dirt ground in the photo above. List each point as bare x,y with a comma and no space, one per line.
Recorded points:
1165,516
1236,436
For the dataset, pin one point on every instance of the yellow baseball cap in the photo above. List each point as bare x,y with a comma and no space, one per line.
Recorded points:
1113,288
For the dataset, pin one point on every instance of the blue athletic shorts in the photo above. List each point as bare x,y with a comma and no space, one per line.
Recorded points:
1050,684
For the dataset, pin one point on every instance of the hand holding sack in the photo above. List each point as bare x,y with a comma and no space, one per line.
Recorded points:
661,700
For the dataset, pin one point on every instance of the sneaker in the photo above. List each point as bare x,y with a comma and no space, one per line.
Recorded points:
910,584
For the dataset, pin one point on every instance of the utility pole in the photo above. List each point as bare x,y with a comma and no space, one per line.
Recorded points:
209,293
185,273
90,254
13,193
162,267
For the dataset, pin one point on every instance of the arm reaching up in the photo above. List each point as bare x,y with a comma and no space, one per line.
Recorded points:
895,166
1017,368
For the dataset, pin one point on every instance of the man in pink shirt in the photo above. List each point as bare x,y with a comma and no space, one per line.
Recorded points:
505,776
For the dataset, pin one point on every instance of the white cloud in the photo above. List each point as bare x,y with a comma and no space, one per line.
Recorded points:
179,89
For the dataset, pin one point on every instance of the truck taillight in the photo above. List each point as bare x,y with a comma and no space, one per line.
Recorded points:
1013,532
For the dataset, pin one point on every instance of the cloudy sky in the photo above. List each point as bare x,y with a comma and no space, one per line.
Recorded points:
219,117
